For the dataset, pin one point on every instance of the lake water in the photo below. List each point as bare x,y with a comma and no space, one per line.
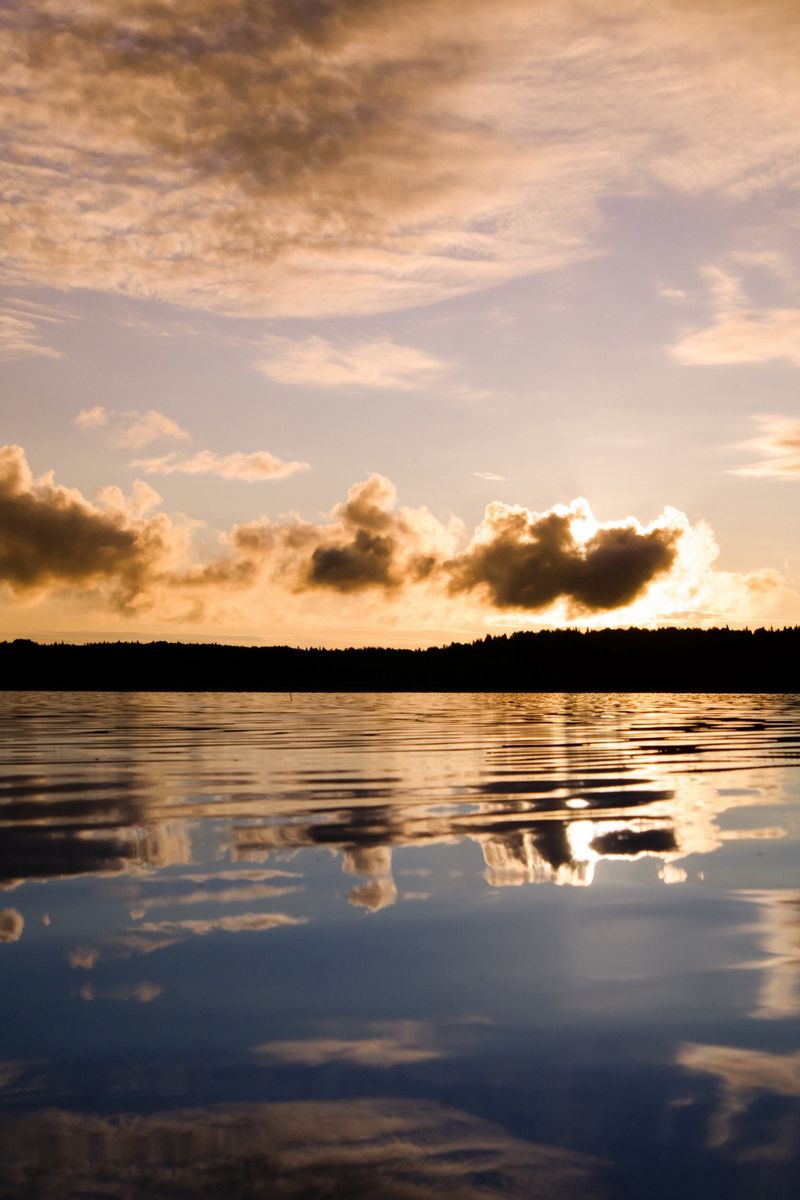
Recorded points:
399,946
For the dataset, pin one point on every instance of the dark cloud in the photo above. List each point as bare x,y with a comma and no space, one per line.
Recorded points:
51,536
528,561
517,559
121,556
370,543
364,562
376,544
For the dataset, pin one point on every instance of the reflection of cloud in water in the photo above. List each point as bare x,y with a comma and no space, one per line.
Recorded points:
743,1076
12,924
233,895
10,1072
779,933
379,889
373,895
392,1043
564,853
546,787
358,1149
140,993
244,923
43,849
151,936
548,836
380,1044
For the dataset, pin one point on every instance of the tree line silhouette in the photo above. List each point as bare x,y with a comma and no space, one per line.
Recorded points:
608,660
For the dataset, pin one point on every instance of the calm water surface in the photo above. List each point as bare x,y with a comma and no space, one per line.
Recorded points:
401,946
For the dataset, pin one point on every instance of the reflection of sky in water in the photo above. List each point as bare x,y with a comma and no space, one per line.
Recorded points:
301,935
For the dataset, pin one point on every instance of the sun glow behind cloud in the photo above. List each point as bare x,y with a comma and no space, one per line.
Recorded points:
370,557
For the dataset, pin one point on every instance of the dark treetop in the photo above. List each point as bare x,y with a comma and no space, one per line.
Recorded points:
608,660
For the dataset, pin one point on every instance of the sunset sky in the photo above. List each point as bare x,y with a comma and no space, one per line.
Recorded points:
334,322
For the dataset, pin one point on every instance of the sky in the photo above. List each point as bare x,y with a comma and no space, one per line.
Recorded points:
344,322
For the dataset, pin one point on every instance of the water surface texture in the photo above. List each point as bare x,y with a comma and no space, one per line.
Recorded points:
399,945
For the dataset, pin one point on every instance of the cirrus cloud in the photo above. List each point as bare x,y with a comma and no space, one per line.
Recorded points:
740,332
347,157
20,337
254,467
132,430
779,442
384,363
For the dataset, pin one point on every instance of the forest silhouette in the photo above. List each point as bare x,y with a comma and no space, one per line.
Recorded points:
607,660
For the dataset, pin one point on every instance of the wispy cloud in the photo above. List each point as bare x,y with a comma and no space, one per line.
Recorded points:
315,362
24,328
740,332
20,337
310,159
489,476
779,442
254,467
132,430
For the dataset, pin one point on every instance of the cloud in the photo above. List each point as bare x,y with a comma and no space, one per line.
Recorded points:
12,924
489,476
53,537
254,467
23,326
384,364
369,544
400,564
20,337
740,332
132,430
92,418
527,560
779,441
347,157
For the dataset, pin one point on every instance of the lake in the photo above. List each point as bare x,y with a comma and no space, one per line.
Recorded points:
399,946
